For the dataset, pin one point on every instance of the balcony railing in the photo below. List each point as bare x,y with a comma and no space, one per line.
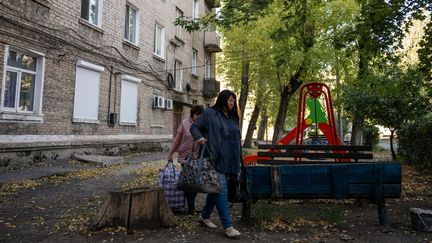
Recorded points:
212,41
213,3
211,88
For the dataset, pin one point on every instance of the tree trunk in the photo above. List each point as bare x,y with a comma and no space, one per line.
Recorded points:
307,35
281,116
393,153
142,208
251,128
287,92
244,92
357,131
263,125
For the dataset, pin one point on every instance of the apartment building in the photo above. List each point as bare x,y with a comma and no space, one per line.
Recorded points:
99,76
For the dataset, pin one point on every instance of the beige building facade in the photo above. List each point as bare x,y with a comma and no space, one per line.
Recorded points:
99,76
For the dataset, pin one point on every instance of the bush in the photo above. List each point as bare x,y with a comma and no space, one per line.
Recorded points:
415,142
370,135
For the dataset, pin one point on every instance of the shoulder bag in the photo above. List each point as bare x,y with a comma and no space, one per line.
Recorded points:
200,175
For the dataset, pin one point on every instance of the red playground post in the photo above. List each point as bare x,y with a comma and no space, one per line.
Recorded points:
309,96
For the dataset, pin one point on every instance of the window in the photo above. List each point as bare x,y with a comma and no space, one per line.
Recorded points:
159,39
195,9
131,24
22,85
179,29
194,61
91,10
207,69
129,100
86,100
178,77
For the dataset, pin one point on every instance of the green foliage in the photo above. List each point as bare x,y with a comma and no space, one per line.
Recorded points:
414,140
370,135
425,52
356,41
398,96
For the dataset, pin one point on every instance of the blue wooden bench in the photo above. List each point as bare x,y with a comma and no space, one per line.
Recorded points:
318,176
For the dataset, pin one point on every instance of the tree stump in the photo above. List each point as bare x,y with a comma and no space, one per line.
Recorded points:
141,208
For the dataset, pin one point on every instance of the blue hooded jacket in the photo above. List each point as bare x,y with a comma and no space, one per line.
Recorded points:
210,126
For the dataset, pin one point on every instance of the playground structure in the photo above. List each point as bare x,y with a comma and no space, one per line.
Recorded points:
280,177
309,96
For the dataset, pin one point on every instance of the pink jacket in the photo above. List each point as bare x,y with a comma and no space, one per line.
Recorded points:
183,142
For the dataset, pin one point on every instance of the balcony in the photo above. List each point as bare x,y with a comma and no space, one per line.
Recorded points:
211,88
212,41
213,3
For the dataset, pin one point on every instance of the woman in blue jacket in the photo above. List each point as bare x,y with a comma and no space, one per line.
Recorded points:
218,126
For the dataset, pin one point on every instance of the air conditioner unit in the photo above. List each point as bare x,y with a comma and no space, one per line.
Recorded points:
168,104
158,102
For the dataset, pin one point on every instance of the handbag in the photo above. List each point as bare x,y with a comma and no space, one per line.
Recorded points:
168,178
236,185
199,175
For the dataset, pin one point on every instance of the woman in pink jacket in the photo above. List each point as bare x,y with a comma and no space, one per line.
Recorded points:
183,144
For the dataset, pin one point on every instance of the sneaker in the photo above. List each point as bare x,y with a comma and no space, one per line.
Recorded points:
232,233
207,222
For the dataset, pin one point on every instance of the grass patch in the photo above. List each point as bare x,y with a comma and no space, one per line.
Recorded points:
331,215
265,211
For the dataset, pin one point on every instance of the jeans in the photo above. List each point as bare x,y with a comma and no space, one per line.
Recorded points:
220,200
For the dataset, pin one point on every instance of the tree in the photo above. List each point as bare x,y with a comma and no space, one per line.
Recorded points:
398,97
378,34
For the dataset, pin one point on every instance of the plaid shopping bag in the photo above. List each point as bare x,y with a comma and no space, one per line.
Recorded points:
168,178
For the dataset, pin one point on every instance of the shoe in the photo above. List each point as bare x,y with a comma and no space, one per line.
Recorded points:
232,233
207,222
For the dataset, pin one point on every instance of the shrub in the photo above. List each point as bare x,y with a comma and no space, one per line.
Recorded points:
414,140
370,135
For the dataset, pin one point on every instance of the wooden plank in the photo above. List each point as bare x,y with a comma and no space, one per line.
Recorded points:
275,181
316,155
327,191
317,181
357,172
316,147
292,162
340,181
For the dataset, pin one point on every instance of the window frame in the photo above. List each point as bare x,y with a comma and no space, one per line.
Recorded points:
178,71
136,81
159,38
91,67
99,13
9,113
127,26
195,9
179,29
207,68
194,69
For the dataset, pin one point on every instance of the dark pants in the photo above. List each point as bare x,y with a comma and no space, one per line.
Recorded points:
190,198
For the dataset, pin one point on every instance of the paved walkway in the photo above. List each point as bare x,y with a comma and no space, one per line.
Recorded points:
64,167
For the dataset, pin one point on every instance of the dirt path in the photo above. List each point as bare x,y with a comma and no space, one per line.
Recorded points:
59,208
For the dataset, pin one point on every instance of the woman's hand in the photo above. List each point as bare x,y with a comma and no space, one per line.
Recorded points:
201,141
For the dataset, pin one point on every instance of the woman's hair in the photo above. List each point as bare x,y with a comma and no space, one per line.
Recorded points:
222,103
196,110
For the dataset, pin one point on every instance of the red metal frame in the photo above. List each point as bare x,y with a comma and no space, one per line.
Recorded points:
314,90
